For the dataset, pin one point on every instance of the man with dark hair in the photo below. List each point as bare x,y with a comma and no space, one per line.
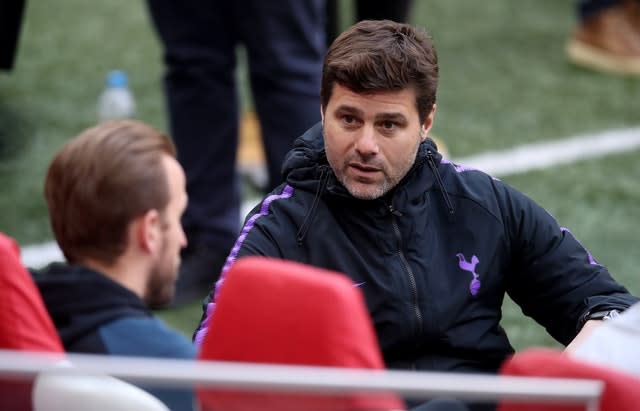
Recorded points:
115,195
433,245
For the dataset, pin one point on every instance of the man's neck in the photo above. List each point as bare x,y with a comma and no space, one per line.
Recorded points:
124,272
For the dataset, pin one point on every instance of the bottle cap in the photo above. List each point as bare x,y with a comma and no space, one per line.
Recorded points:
117,78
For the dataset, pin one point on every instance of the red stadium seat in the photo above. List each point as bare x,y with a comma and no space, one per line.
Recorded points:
24,322
620,393
278,312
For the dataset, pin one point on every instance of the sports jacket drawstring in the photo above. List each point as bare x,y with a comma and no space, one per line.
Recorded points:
434,169
308,219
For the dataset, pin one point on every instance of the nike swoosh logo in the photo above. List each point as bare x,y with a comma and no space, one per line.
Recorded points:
360,284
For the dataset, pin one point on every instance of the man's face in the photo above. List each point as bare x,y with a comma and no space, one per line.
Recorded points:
371,140
162,279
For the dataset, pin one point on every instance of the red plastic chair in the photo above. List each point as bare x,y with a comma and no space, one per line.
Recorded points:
621,392
24,322
278,312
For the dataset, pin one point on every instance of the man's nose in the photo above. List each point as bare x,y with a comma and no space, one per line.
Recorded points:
367,142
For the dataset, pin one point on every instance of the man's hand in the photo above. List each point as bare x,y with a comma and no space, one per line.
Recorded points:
587,329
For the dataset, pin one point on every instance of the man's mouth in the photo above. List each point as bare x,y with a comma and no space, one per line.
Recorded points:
364,167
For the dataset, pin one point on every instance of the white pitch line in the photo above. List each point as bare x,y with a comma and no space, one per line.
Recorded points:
537,156
520,159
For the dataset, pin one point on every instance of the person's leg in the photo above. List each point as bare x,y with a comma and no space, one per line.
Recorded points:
589,8
332,19
607,37
396,10
285,43
11,12
199,52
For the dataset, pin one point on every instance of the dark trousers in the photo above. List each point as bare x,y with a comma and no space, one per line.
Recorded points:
11,12
285,45
396,10
588,8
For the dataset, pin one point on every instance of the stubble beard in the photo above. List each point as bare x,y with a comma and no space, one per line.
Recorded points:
366,192
161,281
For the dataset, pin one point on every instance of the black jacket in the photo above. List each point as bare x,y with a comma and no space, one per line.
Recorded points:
434,257
81,301
94,314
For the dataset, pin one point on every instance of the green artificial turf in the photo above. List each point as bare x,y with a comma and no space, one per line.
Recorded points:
504,82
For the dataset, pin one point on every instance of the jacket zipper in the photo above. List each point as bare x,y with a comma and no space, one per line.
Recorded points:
308,218
412,279
434,169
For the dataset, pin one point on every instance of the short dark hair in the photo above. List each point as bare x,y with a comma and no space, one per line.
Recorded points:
382,55
100,181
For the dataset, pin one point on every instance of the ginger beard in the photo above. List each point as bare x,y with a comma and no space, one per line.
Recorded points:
161,283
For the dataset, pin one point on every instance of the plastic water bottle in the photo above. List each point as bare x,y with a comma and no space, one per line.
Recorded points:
116,100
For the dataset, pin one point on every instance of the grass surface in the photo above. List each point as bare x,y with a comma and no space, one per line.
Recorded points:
504,82
597,200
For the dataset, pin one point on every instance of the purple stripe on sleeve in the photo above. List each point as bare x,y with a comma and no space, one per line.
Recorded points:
233,255
592,260
458,168
461,169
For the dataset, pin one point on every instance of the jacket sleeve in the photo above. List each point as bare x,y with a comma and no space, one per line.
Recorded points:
552,277
256,238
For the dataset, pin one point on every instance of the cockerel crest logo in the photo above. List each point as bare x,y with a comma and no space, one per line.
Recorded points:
474,285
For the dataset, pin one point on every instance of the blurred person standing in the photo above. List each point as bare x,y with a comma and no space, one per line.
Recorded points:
115,195
285,43
607,37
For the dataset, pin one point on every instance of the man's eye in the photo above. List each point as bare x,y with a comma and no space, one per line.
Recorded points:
388,125
348,119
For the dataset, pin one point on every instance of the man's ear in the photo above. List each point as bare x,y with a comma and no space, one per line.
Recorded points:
147,231
428,123
321,115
